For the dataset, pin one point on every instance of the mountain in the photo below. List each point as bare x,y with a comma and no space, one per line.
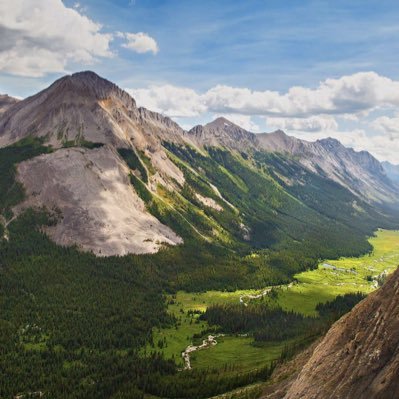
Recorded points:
359,172
222,132
124,179
392,171
6,102
85,107
101,211
359,356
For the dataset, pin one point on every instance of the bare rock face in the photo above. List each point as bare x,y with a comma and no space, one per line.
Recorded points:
209,202
85,107
359,356
222,132
71,108
100,210
6,102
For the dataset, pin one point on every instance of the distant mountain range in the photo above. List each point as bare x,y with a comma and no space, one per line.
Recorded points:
110,156
392,171
360,172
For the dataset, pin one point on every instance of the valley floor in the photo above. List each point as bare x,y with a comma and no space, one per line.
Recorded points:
238,353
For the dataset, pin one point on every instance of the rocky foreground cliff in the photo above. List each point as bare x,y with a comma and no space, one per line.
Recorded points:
359,356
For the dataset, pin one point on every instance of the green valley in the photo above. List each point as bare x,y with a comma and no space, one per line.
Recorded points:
330,279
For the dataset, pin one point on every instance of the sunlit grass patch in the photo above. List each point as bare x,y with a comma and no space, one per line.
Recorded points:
230,349
311,287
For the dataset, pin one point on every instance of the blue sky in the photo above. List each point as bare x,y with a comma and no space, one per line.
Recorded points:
259,46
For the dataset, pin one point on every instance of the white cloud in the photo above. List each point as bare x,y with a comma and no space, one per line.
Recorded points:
311,124
40,37
176,102
388,125
139,42
349,96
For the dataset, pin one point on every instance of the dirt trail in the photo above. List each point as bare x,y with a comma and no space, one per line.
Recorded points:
250,296
206,343
4,222
262,294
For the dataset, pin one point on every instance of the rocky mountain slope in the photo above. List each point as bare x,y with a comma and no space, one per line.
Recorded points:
359,172
222,132
85,107
125,179
359,356
100,210
6,102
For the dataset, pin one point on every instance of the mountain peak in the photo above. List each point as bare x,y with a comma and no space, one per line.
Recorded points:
88,84
330,142
278,133
222,132
86,74
222,122
79,105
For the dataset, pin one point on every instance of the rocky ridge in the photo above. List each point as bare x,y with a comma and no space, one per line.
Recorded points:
359,356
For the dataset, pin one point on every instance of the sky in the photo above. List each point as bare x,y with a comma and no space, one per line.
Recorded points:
312,68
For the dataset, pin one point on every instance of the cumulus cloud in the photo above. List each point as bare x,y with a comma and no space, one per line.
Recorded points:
388,125
176,102
139,42
311,124
39,37
351,94
347,96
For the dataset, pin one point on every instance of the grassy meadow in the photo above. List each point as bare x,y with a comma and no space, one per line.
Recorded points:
330,279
